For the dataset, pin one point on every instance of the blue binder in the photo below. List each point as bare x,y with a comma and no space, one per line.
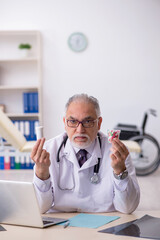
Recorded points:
25,102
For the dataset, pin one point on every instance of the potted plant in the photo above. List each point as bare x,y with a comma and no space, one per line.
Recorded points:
25,49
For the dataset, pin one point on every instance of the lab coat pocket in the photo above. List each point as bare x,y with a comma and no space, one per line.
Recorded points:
104,193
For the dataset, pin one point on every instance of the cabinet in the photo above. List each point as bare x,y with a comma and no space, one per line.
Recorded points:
19,74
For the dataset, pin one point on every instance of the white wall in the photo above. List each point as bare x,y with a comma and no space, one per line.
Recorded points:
121,66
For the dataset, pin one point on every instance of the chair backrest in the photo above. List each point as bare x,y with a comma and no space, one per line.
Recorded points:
10,133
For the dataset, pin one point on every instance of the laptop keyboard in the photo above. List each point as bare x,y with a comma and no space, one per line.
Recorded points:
47,220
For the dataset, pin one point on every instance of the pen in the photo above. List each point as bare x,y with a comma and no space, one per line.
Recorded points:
66,224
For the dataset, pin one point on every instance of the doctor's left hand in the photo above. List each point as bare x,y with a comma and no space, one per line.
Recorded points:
42,159
118,156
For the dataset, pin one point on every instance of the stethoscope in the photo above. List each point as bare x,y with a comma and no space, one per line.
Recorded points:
94,179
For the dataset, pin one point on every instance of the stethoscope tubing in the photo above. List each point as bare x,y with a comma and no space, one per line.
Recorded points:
96,167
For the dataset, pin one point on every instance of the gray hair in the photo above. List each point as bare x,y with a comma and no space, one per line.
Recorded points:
85,98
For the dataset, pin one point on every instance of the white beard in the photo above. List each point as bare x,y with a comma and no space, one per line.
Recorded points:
81,145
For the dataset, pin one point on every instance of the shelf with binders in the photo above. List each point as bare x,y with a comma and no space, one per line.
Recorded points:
27,128
30,102
20,72
9,97
11,159
26,125
27,121
13,86
16,112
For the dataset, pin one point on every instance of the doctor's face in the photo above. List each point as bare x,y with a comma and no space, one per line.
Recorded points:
81,123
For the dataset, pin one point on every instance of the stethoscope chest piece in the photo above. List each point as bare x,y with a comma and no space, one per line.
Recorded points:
95,178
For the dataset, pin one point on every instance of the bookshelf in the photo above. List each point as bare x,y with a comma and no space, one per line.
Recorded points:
20,74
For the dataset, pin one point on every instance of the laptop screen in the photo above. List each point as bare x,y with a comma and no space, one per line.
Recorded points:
19,205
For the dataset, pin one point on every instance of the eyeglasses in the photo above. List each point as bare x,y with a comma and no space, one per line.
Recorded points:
85,123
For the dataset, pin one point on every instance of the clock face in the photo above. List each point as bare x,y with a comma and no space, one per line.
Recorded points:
77,42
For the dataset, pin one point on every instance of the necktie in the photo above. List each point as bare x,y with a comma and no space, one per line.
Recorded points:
82,157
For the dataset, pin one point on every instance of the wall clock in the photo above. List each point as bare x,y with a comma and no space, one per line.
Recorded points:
77,42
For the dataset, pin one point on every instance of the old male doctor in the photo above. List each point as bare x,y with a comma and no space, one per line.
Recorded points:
80,170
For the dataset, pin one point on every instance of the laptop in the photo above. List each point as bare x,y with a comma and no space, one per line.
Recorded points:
19,206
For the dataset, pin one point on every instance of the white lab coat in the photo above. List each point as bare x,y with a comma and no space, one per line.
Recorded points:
108,195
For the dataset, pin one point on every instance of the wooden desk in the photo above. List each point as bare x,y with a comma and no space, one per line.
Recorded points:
71,233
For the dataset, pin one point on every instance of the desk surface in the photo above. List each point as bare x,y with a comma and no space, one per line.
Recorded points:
71,233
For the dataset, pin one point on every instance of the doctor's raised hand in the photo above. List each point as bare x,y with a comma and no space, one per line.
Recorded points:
119,155
42,159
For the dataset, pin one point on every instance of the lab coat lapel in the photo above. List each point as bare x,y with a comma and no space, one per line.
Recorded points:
70,154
